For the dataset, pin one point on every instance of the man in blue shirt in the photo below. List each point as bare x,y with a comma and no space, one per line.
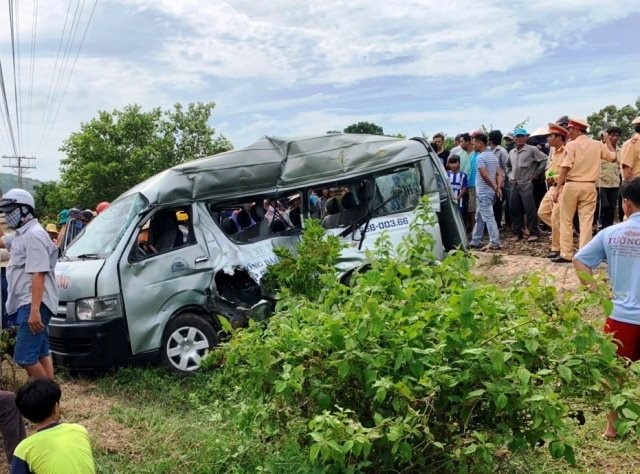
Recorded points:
619,245
488,185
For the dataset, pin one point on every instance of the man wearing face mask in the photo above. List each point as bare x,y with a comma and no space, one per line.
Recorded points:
33,293
630,153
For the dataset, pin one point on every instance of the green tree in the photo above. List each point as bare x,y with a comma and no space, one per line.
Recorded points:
611,115
116,150
364,127
48,200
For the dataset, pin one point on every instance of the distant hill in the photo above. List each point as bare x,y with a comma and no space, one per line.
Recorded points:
10,180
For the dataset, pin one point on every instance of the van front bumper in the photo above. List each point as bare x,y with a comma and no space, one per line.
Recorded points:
87,346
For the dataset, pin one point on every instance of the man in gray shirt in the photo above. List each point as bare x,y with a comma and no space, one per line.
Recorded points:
525,163
33,293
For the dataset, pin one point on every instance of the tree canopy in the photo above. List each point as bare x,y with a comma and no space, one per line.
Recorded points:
116,150
611,115
364,127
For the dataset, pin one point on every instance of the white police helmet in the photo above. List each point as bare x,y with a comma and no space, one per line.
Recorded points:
14,198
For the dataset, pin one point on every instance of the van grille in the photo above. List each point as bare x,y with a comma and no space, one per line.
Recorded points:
74,345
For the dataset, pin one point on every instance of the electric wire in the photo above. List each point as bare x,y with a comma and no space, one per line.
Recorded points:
65,57
73,65
55,67
34,26
5,130
15,82
6,109
18,89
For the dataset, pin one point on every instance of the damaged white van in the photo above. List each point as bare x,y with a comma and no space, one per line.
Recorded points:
152,276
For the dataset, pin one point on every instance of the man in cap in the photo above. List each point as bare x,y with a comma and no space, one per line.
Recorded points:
33,292
509,141
549,211
525,163
576,185
630,153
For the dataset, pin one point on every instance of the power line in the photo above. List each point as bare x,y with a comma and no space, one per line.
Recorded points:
15,82
6,109
51,123
55,68
34,25
66,86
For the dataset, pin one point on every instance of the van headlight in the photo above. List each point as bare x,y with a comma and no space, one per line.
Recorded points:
90,309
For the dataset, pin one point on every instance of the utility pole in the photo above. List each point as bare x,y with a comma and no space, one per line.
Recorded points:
20,164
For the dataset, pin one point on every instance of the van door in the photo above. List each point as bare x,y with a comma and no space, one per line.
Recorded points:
166,268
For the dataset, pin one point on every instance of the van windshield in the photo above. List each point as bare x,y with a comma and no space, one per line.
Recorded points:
101,237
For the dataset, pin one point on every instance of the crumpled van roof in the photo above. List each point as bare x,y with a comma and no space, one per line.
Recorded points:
274,164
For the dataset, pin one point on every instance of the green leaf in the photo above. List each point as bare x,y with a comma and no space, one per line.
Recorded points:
405,451
569,455
524,375
629,413
381,394
226,325
607,307
472,448
556,449
565,372
313,452
475,393
346,447
501,401
343,369
532,345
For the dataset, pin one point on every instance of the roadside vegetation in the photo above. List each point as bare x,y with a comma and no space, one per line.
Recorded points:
415,367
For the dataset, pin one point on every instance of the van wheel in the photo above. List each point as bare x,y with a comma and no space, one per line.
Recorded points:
186,341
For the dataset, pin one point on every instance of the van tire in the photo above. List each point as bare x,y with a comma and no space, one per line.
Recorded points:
187,339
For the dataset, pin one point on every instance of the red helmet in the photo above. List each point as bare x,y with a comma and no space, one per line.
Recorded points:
102,206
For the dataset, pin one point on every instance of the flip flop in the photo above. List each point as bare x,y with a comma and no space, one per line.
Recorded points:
608,437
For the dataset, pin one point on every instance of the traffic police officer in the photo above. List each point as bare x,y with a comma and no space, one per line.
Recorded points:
576,189
630,153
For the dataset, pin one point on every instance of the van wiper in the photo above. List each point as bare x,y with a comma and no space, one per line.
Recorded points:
89,256
365,220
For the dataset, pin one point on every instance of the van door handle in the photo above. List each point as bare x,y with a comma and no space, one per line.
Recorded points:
201,259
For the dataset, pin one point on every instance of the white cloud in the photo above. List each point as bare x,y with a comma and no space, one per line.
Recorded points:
337,42
289,67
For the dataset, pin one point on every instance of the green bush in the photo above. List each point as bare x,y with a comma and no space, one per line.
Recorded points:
423,366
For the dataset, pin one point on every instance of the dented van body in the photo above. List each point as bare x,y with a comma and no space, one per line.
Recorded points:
153,275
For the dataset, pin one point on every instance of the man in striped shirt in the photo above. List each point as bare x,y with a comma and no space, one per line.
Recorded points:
489,179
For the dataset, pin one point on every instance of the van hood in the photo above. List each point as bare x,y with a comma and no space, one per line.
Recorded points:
77,279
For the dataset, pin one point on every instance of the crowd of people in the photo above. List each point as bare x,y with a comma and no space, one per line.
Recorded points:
553,181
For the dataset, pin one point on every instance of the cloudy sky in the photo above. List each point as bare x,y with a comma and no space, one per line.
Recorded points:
285,67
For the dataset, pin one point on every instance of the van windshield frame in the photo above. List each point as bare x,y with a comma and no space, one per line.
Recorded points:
100,238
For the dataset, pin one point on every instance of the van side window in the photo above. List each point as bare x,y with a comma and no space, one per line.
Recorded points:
388,192
260,218
165,230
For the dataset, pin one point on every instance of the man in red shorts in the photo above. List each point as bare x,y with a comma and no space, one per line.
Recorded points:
619,245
